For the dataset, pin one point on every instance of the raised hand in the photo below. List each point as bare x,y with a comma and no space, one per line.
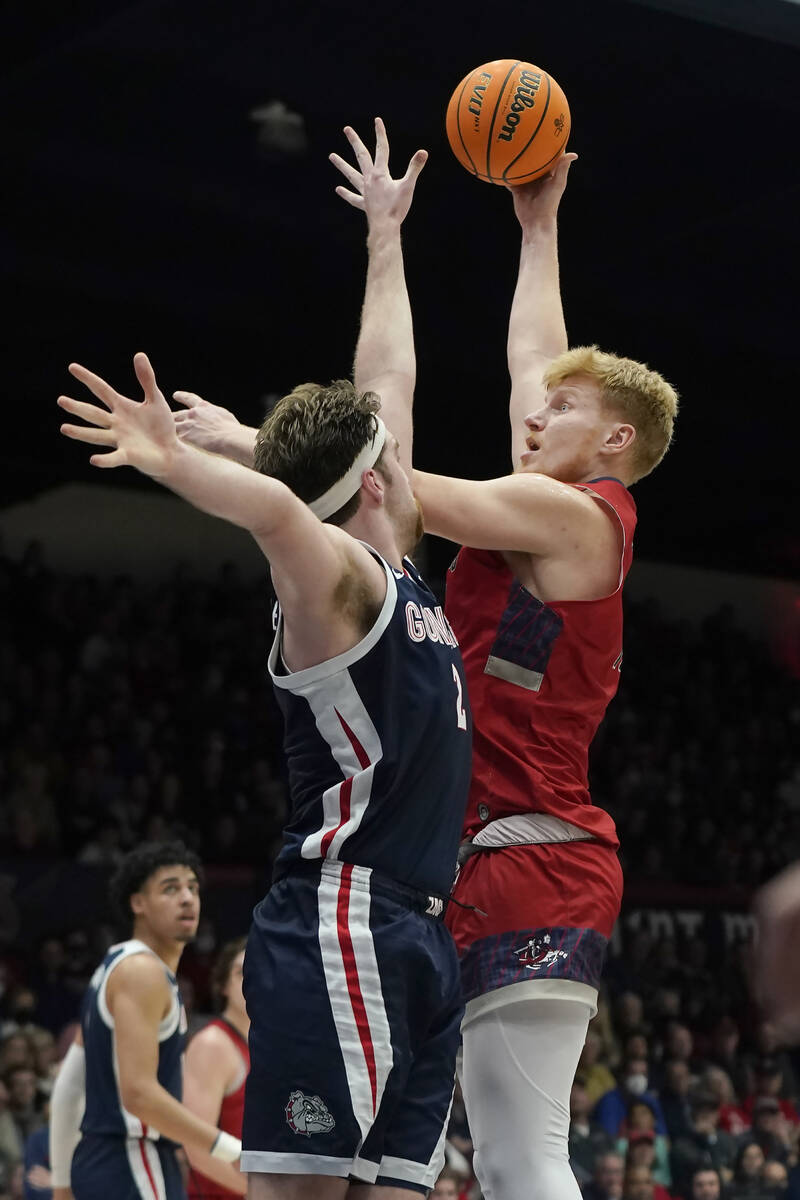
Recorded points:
202,423
139,434
537,202
382,198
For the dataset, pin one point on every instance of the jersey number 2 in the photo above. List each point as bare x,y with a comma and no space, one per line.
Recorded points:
461,713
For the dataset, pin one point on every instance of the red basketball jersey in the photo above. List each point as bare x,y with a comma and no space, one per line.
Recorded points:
540,677
229,1120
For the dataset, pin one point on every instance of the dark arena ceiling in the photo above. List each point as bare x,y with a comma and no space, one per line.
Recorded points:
167,188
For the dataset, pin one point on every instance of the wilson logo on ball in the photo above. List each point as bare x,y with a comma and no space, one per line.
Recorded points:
524,97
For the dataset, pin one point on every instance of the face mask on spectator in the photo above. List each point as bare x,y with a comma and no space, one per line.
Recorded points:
636,1084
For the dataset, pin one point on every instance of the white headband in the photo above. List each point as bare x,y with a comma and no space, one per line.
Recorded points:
345,488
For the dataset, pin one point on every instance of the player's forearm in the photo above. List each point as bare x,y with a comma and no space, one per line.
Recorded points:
536,328
67,1103
227,1175
237,443
227,490
386,339
154,1106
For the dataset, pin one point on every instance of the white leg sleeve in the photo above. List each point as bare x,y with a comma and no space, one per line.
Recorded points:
67,1103
518,1067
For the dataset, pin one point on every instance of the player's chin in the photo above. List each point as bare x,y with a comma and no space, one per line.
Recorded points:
186,931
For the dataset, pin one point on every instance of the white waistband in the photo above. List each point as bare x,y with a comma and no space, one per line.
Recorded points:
529,829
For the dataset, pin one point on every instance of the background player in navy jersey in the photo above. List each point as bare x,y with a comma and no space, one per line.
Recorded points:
216,1067
116,1110
540,625
351,977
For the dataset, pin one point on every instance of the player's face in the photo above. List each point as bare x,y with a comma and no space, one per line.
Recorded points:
445,1190
233,989
169,903
566,434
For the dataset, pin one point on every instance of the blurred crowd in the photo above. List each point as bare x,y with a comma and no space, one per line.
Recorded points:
128,711
132,711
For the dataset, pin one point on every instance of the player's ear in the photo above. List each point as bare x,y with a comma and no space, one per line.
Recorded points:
137,903
374,484
620,438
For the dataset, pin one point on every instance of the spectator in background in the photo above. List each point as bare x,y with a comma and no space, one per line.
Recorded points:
641,1154
23,1100
640,1185
674,1097
37,1182
776,1176
629,1014
11,1144
679,1044
748,1182
770,1129
594,1075
769,1085
607,1178
56,1002
636,1045
612,1108
718,1083
15,1051
705,1185
768,1045
724,1052
448,1186
705,1145
587,1139
641,1146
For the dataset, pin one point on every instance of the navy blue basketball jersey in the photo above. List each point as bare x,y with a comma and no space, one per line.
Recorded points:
378,743
104,1113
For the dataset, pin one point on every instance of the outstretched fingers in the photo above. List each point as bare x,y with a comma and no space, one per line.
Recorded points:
415,166
381,145
353,198
146,376
352,176
90,434
87,412
188,399
363,156
117,458
97,386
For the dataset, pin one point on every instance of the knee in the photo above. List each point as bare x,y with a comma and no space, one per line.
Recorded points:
525,1172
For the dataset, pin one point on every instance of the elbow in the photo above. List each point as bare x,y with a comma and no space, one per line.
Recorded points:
135,1096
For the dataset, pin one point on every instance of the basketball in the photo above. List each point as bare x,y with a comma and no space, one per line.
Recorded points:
507,122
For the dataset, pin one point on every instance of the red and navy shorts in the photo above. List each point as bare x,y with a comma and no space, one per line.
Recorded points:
546,912
355,1004
106,1166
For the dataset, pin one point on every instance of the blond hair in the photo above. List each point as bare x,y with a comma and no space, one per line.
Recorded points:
630,389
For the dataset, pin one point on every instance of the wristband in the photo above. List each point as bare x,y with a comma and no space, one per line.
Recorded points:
226,1147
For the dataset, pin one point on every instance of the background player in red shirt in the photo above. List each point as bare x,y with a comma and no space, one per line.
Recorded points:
215,1068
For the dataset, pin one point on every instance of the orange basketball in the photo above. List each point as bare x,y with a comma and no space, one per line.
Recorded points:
508,121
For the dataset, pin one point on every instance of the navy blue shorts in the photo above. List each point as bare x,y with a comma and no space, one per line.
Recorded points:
355,1005
125,1169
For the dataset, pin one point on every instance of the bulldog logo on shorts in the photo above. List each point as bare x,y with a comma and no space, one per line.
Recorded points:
308,1114
537,953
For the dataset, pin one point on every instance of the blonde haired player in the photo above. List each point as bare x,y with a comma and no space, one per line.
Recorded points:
540,627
